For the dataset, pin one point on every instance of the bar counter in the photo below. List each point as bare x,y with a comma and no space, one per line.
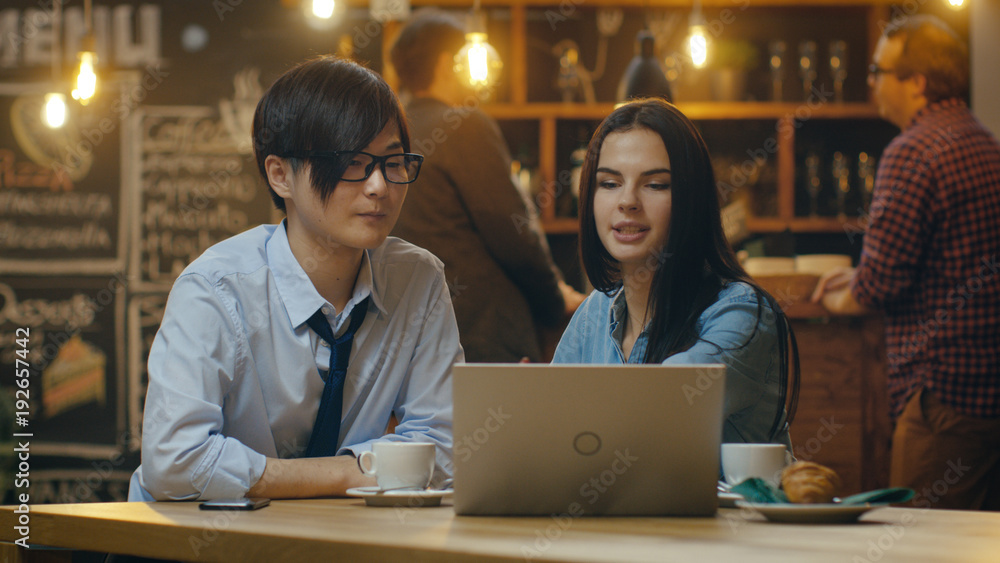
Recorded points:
346,529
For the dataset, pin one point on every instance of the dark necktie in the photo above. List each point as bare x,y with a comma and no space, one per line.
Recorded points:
326,430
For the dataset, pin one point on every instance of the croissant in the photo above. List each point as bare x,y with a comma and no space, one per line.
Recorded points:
810,483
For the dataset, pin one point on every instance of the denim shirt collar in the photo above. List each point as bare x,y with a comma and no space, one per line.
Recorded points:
616,328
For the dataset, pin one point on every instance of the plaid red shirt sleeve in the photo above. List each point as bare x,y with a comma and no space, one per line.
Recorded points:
930,260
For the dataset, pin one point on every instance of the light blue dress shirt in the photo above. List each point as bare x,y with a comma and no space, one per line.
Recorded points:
594,336
234,371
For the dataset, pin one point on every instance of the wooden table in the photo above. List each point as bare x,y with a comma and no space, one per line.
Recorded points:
345,529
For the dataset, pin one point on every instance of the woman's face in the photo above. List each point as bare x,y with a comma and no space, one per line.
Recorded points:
632,198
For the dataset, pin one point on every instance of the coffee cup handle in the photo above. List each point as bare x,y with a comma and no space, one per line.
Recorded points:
361,463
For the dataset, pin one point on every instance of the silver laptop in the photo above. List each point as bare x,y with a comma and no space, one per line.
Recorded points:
573,440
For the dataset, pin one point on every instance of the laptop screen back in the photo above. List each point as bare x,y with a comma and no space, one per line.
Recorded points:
587,439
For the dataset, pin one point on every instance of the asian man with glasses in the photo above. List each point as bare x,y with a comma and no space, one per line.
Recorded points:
285,351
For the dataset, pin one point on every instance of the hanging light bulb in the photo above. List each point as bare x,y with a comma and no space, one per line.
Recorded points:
54,110
86,79
956,4
698,46
478,63
697,38
323,9
54,107
322,15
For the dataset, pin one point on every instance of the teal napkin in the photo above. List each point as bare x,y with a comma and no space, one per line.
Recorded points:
760,491
892,495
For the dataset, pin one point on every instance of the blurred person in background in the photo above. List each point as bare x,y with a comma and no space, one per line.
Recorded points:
466,209
930,264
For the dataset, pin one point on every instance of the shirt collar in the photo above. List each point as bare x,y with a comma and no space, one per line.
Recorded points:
366,286
616,314
297,292
940,105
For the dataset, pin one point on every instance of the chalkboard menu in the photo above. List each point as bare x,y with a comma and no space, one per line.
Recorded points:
145,312
68,336
195,189
61,190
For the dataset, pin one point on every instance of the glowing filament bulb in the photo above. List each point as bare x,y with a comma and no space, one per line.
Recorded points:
698,46
956,4
478,62
86,80
323,9
478,69
54,110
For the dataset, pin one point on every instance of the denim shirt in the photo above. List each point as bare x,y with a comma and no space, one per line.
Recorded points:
594,336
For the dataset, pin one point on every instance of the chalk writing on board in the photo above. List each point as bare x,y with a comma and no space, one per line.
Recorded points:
56,219
145,313
76,327
40,211
197,189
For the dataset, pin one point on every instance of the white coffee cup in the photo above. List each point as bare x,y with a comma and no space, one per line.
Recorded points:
742,461
399,465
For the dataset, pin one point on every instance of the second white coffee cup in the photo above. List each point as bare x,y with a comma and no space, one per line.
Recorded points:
742,461
399,465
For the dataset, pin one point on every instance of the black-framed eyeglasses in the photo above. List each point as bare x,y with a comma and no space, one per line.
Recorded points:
875,70
401,168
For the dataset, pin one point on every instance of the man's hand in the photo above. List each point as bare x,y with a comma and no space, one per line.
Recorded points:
834,290
309,477
836,279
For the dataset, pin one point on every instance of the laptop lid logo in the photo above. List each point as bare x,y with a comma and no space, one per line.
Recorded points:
587,443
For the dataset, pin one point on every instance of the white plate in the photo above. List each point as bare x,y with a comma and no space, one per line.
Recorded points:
810,513
376,497
728,500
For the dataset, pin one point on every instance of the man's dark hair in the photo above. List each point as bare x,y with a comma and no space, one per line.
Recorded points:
932,49
415,52
325,104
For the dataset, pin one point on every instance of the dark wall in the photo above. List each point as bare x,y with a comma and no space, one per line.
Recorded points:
98,218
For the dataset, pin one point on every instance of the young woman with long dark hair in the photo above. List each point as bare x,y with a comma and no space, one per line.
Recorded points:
668,287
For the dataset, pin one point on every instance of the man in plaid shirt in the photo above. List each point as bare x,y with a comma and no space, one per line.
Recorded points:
931,264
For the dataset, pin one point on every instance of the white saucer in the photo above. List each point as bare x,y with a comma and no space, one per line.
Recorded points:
810,513
377,497
728,500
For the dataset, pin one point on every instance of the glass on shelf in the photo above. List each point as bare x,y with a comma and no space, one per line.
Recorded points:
841,178
838,68
866,177
813,183
777,51
807,66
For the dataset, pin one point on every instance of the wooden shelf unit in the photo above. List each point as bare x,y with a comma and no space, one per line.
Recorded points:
548,115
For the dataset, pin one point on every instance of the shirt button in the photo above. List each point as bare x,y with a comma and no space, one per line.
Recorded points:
325,310
324,343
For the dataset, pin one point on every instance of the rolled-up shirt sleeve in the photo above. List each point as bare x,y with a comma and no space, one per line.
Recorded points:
194,357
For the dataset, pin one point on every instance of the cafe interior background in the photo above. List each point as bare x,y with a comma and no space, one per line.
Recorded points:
99,213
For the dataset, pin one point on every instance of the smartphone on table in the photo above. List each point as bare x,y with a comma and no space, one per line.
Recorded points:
235,504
